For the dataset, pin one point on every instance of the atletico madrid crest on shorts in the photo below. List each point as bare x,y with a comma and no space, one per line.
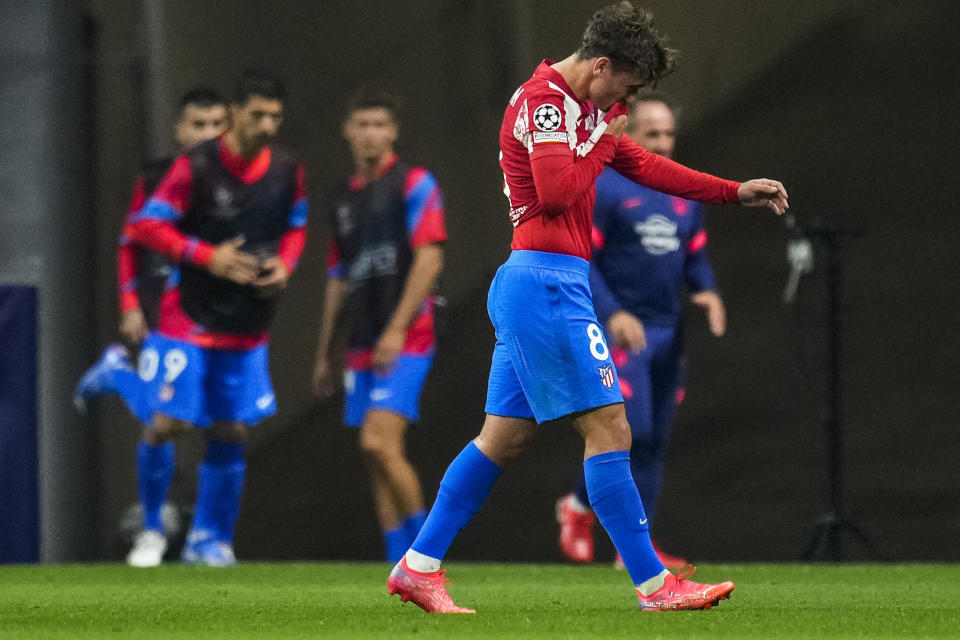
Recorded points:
606,375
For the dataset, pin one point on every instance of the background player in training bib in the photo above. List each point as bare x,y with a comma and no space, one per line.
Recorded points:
230,214
386,251
141,277
648,250
560,130
141,273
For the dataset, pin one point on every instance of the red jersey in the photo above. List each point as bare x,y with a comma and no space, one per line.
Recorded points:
553,148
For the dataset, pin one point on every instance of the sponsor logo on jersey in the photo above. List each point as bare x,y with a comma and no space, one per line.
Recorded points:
166,392
547,117
658,235
223,203
632,203
606,375
374,262
344,219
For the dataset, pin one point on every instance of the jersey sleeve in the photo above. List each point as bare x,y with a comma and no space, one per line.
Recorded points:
128,254
664,175
293,241
154,226
561,173
424,205
697,271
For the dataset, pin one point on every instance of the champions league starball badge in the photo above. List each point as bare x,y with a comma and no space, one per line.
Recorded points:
547,117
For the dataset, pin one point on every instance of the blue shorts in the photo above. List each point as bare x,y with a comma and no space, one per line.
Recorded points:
397,391
551,358
201,385
137,393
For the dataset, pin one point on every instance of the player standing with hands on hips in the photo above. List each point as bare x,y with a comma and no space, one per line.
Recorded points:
560,130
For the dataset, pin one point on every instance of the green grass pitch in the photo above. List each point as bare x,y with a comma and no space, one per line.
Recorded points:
338,600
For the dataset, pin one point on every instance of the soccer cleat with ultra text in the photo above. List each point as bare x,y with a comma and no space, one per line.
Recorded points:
678,593
426,590
576,530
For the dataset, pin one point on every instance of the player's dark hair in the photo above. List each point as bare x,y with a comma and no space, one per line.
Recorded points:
369,99
260,83
203,97
625,34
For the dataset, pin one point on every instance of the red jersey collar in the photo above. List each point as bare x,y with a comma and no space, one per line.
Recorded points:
356,183
248,171
545,71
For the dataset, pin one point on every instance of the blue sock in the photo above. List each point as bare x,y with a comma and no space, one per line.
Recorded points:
220,483
464,487
616,502
580,491
647,469
154,473
412,525
395,543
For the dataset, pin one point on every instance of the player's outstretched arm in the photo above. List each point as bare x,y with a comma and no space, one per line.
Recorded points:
763,192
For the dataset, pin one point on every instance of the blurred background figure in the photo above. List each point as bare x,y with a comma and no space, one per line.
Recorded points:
141,277
648,254
230,213
386,251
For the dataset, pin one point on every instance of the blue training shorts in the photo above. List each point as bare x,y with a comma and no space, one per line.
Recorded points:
397,391
551,357
202,385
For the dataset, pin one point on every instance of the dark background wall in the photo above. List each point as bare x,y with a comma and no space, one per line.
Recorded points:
847,103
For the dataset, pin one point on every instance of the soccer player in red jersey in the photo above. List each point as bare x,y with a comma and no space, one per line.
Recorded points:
231,215
560,130
386,251
141,277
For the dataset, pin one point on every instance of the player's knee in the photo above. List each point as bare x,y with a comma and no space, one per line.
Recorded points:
165,428
229,432
377,448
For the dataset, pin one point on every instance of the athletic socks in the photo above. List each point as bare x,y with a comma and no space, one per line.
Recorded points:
220,484
412,525
154,473
395,543
616,503
398,539
464,487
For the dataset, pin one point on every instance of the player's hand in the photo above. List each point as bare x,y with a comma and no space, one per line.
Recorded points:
764,193
713,306
616,126
229,263
388,347
627,331
272,279
322,380
133,327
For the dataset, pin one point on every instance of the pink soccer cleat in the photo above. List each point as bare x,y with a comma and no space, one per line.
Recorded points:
426,590
678,593
576,530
